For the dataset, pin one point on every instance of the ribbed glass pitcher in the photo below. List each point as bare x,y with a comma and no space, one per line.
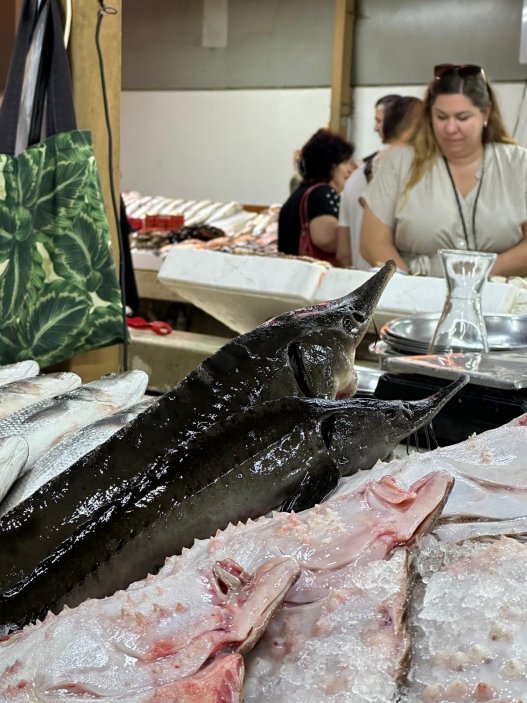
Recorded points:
461,326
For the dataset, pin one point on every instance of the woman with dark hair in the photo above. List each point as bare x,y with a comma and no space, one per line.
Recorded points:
325,164
461,183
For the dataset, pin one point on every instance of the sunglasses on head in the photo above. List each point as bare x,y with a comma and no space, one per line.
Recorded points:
462,70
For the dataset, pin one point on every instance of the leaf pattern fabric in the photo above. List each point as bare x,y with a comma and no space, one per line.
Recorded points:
59,293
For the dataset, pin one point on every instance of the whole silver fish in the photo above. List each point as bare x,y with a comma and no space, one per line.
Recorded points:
67,452
20,369
13,455
47,422
25,392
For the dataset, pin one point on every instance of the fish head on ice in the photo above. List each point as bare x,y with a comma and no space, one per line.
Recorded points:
118,390
360,525
252,598
360,432
316,345
409,512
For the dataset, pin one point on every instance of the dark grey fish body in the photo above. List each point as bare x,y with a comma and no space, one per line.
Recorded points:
285,450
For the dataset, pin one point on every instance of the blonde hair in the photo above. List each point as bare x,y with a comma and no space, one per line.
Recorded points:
479,92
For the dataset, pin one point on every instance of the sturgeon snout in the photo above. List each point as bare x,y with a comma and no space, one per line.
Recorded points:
363,431
322,358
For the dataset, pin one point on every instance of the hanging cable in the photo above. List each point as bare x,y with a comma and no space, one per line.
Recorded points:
106,10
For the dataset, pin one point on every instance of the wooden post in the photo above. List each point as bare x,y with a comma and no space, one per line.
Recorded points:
341,102
89,106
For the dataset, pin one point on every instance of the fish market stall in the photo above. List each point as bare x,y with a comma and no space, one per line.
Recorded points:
371,590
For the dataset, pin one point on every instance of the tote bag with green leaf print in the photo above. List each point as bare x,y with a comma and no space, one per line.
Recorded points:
59,293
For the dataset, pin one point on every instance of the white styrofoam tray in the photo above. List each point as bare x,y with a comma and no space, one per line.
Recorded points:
244,291
411,295
240,291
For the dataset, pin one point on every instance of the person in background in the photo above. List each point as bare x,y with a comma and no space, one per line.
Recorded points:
460,184
400,119
378,126
325,163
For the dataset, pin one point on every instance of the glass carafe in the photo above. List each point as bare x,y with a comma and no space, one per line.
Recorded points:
461,326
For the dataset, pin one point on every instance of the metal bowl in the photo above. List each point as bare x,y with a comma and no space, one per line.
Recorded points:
412,335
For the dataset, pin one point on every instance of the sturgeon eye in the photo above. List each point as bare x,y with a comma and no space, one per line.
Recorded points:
347,324
327,429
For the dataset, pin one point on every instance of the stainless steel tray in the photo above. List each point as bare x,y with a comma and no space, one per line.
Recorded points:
413,334
507,370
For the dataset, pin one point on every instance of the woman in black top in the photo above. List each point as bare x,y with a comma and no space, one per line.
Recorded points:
325,162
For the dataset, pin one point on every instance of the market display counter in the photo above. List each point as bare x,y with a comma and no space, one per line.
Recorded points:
242,291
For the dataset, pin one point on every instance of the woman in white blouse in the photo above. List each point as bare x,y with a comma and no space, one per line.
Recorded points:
461,184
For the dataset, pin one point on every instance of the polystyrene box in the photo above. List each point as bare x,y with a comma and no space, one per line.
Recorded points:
241,291
409,295
146,259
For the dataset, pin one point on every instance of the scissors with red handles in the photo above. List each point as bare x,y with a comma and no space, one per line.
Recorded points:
158,327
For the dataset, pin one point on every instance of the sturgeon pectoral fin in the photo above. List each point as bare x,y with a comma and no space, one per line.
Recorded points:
313,489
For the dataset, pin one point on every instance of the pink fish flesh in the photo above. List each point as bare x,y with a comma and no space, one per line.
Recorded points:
138,644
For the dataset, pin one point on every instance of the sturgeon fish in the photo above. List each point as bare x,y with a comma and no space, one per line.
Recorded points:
306,352
67,452
22,393
163,629
284,451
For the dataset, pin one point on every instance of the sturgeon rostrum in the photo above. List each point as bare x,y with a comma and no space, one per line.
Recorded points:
283,451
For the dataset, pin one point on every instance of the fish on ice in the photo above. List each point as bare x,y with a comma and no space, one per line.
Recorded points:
13,456
22,393
18,370
152,641
67,452
167,626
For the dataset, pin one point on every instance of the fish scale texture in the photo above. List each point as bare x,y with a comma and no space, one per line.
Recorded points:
67,452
